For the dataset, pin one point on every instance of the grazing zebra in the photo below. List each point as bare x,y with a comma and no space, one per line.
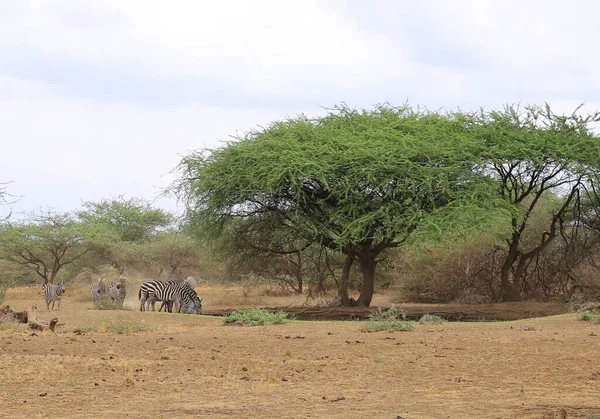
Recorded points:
118,292
53,293
169,292
98,290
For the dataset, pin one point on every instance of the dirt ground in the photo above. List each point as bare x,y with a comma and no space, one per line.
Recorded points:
170,366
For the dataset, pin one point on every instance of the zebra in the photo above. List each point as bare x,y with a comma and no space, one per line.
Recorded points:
53,293
98,290
169,292
186,298
117,291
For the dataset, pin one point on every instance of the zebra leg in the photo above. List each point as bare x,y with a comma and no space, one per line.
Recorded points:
59,300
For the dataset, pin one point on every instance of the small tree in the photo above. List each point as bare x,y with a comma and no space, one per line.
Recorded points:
45,242
357,182
531,153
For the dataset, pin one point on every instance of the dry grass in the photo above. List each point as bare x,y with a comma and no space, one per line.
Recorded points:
121,360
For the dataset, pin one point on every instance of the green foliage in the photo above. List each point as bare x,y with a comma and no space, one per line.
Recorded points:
531,152
124,228
359,182
106,303
350,177
391,314
130,220
46,243
585,316
431,318
255,317
392,319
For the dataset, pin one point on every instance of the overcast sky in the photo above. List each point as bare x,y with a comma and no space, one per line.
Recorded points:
100,98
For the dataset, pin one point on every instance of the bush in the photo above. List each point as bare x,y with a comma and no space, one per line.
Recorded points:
393,319
106,303
255,317
585,316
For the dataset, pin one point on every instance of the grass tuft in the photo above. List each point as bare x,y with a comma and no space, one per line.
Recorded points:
255,317
585,316
106,303
393,319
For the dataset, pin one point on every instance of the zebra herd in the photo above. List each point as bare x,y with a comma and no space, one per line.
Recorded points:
180,294
116,290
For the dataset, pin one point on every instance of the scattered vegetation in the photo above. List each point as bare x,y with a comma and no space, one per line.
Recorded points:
119,325
106,303
123,325
335,207
392,319
586,316
255,317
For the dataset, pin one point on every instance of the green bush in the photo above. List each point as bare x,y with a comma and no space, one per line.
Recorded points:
106,303
585,316
255,317
393,319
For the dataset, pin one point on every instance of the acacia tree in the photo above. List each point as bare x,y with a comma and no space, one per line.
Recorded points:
45,243
124,222
531,153
358,182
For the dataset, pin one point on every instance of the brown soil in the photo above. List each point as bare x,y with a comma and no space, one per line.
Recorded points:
193,366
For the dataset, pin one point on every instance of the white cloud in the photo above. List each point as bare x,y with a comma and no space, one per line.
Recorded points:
75,124
83,149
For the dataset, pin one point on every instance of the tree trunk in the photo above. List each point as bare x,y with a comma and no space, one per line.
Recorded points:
367,265
343,284
511,290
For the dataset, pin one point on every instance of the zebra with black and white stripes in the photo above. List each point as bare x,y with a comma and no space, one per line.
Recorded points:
118,291
53,293
98,290
169,292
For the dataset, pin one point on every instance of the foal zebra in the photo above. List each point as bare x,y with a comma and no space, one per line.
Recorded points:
53,293
169,292
98,290
118,292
